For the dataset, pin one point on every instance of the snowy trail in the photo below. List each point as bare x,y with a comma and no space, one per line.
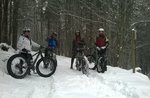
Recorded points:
67,83
99,85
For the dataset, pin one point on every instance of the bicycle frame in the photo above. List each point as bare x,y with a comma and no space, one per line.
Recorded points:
81,58
39,53
80,55
99,57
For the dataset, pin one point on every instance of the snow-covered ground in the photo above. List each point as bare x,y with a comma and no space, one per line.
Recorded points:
67,83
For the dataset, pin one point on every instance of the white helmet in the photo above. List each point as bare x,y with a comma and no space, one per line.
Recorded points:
26,30
101,29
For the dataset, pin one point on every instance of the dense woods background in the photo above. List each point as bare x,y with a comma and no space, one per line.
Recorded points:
117,17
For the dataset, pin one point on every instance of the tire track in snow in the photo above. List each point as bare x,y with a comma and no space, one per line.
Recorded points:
43,88
116,85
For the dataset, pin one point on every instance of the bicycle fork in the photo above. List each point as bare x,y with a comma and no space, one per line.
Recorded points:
85,65
99,64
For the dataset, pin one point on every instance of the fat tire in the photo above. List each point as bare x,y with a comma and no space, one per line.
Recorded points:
99,68
42,74
91,59
9,69
84,69
104,67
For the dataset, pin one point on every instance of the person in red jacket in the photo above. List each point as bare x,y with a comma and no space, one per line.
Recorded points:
101,41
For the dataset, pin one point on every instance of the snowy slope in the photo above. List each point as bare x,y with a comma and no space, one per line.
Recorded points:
67,83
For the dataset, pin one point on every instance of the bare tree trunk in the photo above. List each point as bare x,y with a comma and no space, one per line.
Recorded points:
1,20
62,27
5,22
10,23
15,23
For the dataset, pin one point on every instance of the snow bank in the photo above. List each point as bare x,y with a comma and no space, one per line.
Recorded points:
67,83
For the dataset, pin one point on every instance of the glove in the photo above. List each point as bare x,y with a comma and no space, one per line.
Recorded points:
103,47
25,50
98,48
41,47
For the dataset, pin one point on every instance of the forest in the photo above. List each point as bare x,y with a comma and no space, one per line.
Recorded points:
117,17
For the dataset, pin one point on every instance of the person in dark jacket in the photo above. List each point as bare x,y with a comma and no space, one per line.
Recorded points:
77,42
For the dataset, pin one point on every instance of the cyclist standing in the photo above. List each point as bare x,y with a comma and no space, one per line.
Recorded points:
77,42
52,43
101,41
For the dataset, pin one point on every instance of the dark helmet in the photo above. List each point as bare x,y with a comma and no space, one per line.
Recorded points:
54,33
77,33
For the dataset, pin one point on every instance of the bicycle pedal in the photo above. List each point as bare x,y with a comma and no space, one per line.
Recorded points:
34,72
29,73
79,69
20,72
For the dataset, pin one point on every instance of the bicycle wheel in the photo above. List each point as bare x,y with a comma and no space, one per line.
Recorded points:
104,66
17,66
46,67
99,68
85,68
91,60
78,64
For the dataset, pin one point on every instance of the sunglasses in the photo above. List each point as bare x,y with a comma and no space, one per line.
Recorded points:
26,31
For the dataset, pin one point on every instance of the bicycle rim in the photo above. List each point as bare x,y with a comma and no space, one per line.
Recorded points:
17,66
46,69
78,64
91,61
85,69
99,67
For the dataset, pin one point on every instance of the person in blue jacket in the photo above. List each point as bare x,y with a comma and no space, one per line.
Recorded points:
52,43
